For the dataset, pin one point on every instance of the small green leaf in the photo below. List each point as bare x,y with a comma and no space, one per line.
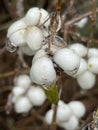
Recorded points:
52,94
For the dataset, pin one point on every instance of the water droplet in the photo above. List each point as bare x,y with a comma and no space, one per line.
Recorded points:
59,41
10,46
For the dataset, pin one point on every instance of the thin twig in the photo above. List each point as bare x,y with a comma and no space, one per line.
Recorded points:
20,8
86,122
92,27
2,50
7,74
53,125
82,38
5,88
10,8
79,18
21,59
32,118
13,72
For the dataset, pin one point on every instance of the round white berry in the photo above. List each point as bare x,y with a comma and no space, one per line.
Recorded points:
17,38
27,51
86,80
23,81
42,71
22,105
37,16
93,52
32,17
16,26
67,59
93,64
82,22
78,108
82,68
63,112
39,54
18,91
80,49
71,124
34,37
49,117
16,33
36,95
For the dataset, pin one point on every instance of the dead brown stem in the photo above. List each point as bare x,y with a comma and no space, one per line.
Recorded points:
14,72
53,125
20,8
71,22
82,38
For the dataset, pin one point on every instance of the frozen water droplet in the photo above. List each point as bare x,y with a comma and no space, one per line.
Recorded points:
10,46
59,41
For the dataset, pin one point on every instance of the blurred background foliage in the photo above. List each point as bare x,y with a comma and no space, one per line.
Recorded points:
9,62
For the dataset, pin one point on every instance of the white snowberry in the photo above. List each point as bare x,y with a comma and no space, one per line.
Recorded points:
93,64
18,91
42,71
16,26
22,105
78,108
16,33
93,52
32,17
82,68
37,16
36,95
82,22
71,124
23,81
67,60
17,38
49,117
63,112
80,49
34,38
86,80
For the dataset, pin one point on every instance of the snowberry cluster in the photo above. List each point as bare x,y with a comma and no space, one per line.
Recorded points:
33,36
42,69
73,60
86,73
68,115
33,39
26,32
25,95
